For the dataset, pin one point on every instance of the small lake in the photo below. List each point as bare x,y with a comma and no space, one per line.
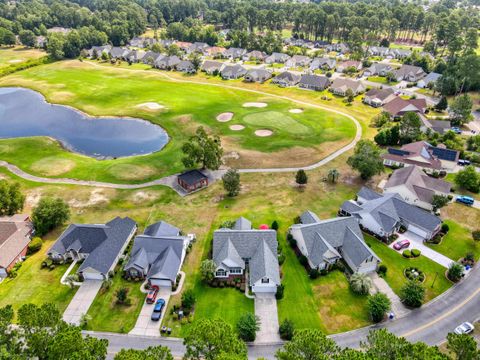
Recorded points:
25,113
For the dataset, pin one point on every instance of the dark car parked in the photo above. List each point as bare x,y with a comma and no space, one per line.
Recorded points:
157,310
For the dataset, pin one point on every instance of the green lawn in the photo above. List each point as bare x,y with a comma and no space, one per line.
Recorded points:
396,264
104,90
457,243
277,121
381,80
35,285
107,315
10,56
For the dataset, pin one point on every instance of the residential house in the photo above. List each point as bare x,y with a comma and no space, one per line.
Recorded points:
138,42
378,51
118,52
211,67
158,255
167,62
379,97
323,63
415,187
235,250
257,75
134,56
185,66
152,57
379,69
15,234
298,61
429,81
234,53
398,106
254,55
100,245
409,73
286,79
197,47
339,47
349,64
215,51
183,45
429,158
324,242
440,126
399,53
97,51
314,82
277,58
384,215
230,72
341,85
192,180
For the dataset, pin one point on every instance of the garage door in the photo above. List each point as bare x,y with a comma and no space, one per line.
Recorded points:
161,283
92,276
418,231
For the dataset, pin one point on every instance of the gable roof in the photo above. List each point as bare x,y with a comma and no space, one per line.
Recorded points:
211,65
242,224
399,105
287,76
161,228
344,84
431,78
14,237
309,217
380,94
368,194
314,80
264,264
236,70
191,177
259,73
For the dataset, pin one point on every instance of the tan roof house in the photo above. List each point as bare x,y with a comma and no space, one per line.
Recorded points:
340,86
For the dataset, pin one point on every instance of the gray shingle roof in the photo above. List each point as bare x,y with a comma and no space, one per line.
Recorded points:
242,224
309,217
315,81
161,228
264,263
368,194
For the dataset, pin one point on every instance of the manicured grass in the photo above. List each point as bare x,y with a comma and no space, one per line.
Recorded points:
396,264
109,316
381,80
35,285
275,120
457,243
104,90
17,55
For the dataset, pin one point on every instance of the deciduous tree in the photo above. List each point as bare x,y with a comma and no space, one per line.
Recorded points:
247,326
307,345
11,198
204,150
48,214
150,353
366,159
412,293
378,305
231,182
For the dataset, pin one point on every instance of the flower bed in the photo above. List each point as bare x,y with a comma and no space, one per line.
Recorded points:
413,273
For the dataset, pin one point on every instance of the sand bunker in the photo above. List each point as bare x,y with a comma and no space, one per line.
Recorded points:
224,117
255,104
264,133
151,106
295,111
237,127
15,61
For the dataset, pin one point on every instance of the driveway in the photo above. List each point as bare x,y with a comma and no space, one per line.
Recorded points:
145,326
81,301
380,285
266,310
416,242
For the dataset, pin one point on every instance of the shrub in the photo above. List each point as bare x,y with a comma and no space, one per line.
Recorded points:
188,299
303,260
378,305
455,272
470,257
292,241
314,273
476,235
445,228
360,283
35,245
286,329
412,293
415,252
340,266
407,253
281,259
382,270
280,291
275,225
323,272
247,326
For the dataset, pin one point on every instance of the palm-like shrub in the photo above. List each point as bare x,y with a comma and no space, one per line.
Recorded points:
360,283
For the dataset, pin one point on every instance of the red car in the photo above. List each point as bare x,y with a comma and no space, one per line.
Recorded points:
152,294
401,244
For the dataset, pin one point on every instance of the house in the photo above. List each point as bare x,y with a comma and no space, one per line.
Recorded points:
167,62
134,56
138,42
234,53
378,51
185,66
339,47
323,63
298,61
324,242
158,255
215,51
399,53
192,180
379,97
341,85
151,58
349,64
440,126
183,45
97,51
384,215
415,187
254,55
379,69
409,73
424,155
100,245
118,52
229,72
277,58
240,247
429,81
211,67
15,235
286,79
257,75
314,82
398,106
197,47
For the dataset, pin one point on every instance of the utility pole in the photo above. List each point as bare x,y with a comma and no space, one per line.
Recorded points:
433,283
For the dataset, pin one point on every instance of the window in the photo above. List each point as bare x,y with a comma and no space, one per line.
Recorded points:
265,280
235,271
221,273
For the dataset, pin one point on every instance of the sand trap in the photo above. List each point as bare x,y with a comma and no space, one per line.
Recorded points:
224,117
237,127
264,133
295,111
15,61
151,106
255,104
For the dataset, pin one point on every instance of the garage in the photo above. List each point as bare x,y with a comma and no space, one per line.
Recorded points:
91,274
161,283
418,231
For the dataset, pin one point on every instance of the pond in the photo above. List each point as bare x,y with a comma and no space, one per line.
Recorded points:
25,113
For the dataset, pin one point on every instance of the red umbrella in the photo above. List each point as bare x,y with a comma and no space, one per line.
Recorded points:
264,227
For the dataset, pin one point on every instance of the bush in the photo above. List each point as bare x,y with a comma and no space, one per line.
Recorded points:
445,228
275,225
281,259
415,252
188,299
35,245
360,283
286,329
407,253
291,240
378,305
314,273
280,291
382,270
323,272
470,257
412,293
247,326
455,272
340,266
303,260
476,235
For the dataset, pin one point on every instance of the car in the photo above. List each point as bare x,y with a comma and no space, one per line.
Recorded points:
456,130
465,328
159,305
464,162
152,294
467,200
156,315
401,244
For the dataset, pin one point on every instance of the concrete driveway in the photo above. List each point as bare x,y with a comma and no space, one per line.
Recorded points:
380,285
416,242
145,326
81,301
266,310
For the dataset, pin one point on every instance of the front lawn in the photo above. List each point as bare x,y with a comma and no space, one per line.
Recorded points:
435,283
109,316
381,80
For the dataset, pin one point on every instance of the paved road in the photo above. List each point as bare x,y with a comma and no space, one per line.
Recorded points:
431,323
